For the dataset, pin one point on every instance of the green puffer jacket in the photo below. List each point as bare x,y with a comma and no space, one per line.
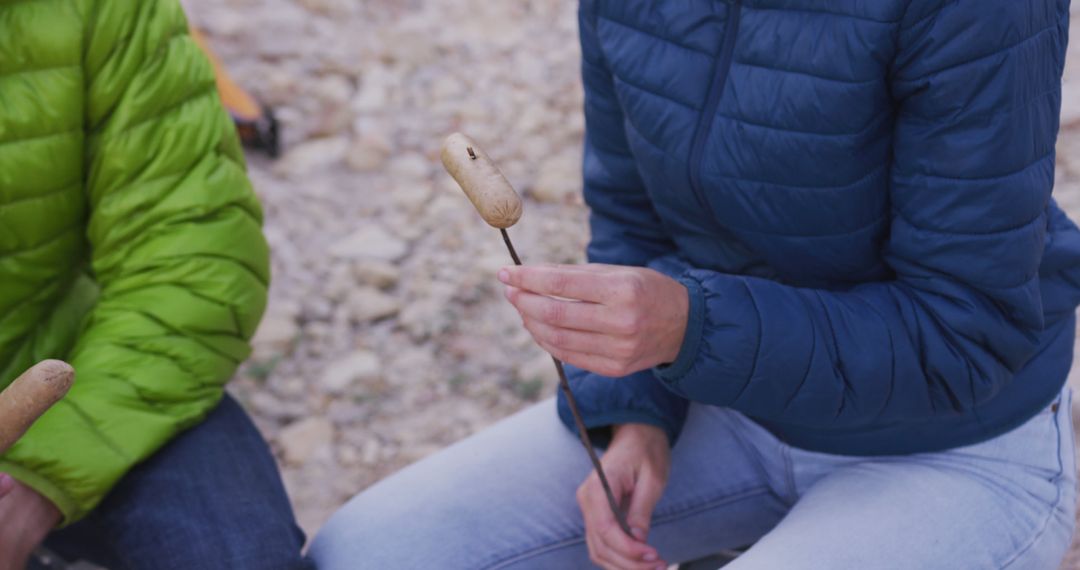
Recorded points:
130,238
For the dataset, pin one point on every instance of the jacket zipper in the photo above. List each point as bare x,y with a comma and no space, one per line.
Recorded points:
712,100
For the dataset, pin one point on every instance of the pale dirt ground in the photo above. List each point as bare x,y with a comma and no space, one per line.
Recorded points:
374,356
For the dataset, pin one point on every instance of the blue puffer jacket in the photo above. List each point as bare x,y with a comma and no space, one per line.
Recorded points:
857,195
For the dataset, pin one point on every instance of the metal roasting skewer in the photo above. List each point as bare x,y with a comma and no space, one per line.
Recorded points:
500,206
583,434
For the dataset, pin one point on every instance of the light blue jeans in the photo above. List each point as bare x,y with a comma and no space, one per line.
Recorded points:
505,499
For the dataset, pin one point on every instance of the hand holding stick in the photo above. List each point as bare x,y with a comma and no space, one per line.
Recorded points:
29,396
500,206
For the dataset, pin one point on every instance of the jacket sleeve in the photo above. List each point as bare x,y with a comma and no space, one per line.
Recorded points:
177,249
979,92
625,231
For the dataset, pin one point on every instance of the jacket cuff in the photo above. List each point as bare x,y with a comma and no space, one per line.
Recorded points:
67,505
691,344
720,348
606,402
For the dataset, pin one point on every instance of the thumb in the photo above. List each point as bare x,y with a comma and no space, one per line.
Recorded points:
6,484
647,492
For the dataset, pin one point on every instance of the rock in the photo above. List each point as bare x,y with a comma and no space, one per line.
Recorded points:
376,89
316,308
487,266
275,332
376,273
411,366
280,86
223,23
370,242
414,197
333,90
328,7
288,308
367,154
575,125
368,304
449,204
318,332
371,99
300,440
339,283
308,157
419,451
536,378
531,146
559,179
343,411
1067,194
426,317
534,118
264,403
290,388
446,88
539,368
1070,103
358,367
411,166
371,451
348,455
415,50
327,102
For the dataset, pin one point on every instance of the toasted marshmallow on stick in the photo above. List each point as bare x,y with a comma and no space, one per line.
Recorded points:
29,396
483,183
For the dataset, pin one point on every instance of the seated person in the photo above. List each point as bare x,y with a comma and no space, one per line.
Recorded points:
130,246
831,315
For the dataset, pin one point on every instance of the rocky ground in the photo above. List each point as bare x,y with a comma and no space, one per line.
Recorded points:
386,337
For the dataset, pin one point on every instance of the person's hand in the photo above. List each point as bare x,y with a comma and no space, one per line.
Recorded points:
636,464
25,519
607,319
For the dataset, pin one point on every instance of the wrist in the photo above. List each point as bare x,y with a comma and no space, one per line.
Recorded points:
637,431
681,318
47,516
39,512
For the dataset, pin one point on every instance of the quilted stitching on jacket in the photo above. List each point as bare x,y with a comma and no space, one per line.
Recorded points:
130,239
869,226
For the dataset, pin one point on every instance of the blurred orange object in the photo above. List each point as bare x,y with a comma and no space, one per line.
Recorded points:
254,122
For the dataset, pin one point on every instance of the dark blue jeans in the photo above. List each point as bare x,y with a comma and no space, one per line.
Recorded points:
210,499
